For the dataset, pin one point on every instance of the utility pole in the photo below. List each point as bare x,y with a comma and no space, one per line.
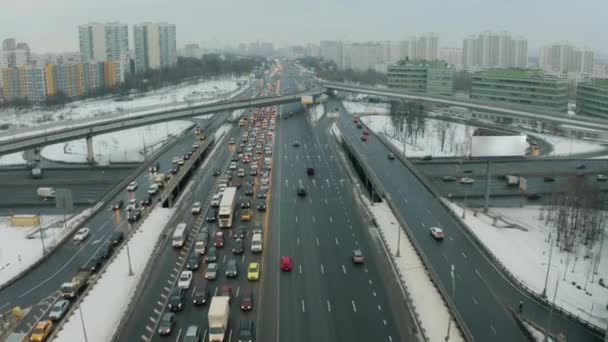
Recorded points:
41,235
129,259
548,332
544,294
84,329
447,336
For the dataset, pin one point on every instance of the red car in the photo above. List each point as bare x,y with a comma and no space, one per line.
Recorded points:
218,239
363,138
286,264
366,132
356,121
358,256
226,290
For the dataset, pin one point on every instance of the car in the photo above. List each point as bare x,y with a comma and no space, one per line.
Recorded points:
236,183
211,216
301,191
146,201
134,216
218,239
533,196
253,172
175,160
118,204
167,321
232,270
41,331
601,178
211,255
239,233
116,237
365,132
193,334
232,166
132,186
93,265
59,309
357,256
226,291
245,205
154,167
180,161
185,279
246,300
246,215
106,250
465,180
196,208
238,247
253,271
241,172
200,296
261,206
548,179
262,194
187,156
467,171
246,330
449,179
286,263
359,126
391,156
132,205
211,272
296,144
174,170
194,261
437,233
82,234
581,167
176,299
249,191
427,157
217,172
153,189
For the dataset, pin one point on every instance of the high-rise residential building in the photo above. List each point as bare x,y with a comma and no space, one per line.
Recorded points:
563,58
362,56
191,51
313,50
155,46
592,98
106,42
38,82
451,55
331,50
494,50
421,76
14,55
9,44
13,84
521,87
69,79
427,47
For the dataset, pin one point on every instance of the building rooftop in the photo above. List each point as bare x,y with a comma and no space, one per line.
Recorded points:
600,82
518,73
421,63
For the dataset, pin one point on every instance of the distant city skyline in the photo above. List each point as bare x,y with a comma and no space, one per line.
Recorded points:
53,26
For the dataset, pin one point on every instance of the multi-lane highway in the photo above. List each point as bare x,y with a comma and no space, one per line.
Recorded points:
484,297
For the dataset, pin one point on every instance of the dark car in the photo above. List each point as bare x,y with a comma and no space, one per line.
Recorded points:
262,194
238,247
245,205
200,296
218,239
167,321
449,179
427,157
310,171
176,299
548,179
534,196
246,331
134,216
116,237
147,201
239,233
246,300
296,144
301,191
211,255
253,172
217,172
359,126
226,291
249,191
235,158
93,265
117,205
581,167
262,206
174,170
154,167
106,251
232,269
193,261
211,216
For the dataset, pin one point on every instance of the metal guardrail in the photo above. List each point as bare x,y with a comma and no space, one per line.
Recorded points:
434,277
494,259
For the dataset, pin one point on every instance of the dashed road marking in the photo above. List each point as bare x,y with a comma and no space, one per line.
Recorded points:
328,306
354,306
474,301
322,269
343,269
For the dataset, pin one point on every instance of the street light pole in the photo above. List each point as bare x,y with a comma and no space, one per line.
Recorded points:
544,294
551,312
398,241
84,329
464,206
447,336
129,259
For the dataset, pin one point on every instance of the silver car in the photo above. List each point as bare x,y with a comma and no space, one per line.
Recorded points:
59,309
211,273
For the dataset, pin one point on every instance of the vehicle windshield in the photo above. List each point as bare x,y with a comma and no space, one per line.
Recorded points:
38,331
216,330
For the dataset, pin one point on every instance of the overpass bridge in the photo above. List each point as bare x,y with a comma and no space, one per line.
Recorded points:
42,137
555,119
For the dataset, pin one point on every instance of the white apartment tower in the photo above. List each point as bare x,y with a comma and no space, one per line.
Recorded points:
155,46
106,42
563,58
494,50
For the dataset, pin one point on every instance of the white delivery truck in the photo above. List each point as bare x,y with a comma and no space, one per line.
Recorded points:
46,192
219,310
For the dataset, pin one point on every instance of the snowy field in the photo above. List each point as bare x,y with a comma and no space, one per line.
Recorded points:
317,111
563,146
103,318
18,252
120,146
194,94
13,159
366,107
525,254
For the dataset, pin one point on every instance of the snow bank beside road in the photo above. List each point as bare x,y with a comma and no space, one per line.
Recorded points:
13,159
115,284
317,111
526,254
366,107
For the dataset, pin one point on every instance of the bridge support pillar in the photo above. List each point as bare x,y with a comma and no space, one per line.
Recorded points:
90,155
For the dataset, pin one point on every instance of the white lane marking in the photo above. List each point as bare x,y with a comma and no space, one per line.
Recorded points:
318,241
314,220
303,306
405,200
300,268
149,329
379,307
354,306
390,339
343,269
331,219
450,238
423,225
374,293
298,240
493,330
384,322
178,334
296,219
474,301
428,211
337,243
464,255
322,269
478,274
370,282
328,306
238,289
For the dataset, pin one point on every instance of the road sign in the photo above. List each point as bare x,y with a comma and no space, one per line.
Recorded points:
63,199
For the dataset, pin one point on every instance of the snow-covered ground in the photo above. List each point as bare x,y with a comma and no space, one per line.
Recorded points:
526,255
428,303
317,111
366,107
121,146
563,146
101,319
13,159
18,252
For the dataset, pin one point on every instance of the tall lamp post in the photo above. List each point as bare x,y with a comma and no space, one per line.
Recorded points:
129,259
447,336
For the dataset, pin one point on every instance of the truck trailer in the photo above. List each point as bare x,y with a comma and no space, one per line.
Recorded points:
219,311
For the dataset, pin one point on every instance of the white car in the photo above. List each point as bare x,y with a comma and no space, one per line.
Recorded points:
602,178
81,234
180,161
215,201
153,189
132,186
196,208
59,309
437,233
132,205
211,272
465,180
232,166
185,279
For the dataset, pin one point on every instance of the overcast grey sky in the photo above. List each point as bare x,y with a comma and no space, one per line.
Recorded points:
51,25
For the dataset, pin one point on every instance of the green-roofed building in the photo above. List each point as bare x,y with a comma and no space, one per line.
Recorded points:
592,98
421,76
522,87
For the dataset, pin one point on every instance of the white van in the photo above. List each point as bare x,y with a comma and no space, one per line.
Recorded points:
256,243
215,201
179,235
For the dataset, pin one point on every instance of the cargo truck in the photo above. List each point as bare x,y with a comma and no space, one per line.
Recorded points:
512,180
307,100
160,179
74,287
46,192
219,310
36,173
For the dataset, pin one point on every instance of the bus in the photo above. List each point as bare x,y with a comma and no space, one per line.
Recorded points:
227,207
179,235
